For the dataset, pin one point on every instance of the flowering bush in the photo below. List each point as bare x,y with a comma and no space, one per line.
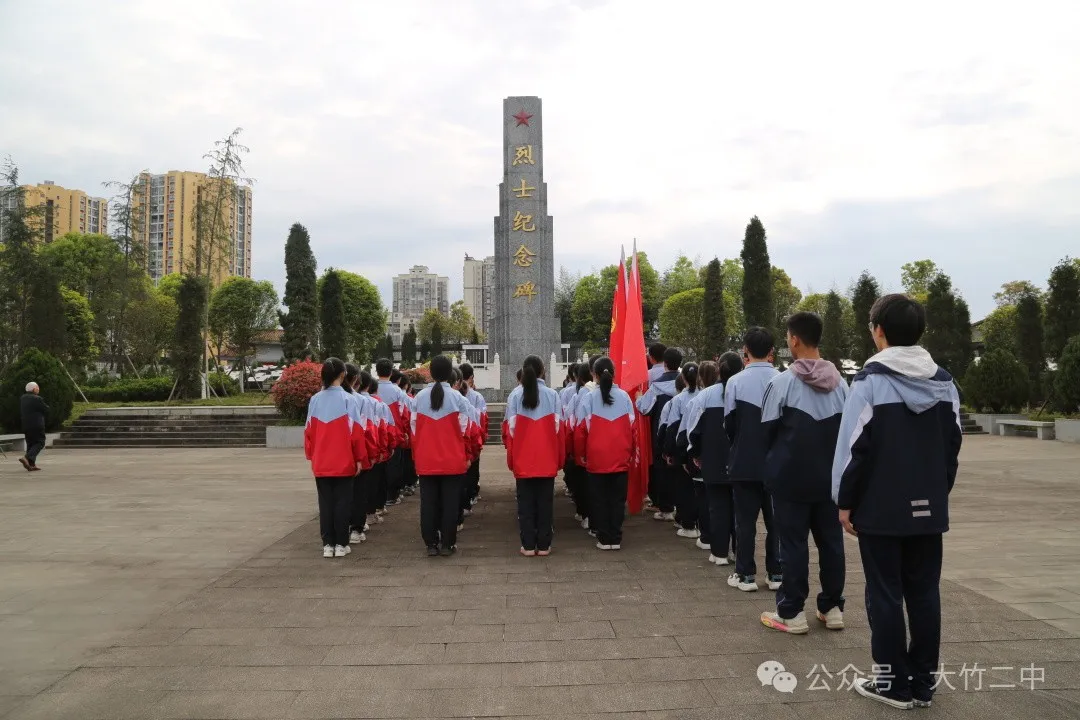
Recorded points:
292,392
418,375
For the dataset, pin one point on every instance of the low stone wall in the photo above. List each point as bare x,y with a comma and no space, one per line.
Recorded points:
1067,430
988,421
285,436
189,410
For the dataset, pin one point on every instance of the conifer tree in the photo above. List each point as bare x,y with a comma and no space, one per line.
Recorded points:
301,297
757,287
863,297
408,347
714,315
1062,307
334,331
833,339
1030,348
948,327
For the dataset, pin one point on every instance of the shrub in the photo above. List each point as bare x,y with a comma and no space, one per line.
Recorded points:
147,389
223,384
1067,377
294,389
998,382
418,375
56,389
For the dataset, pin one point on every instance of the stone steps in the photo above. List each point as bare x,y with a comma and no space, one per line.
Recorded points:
170,428
968,426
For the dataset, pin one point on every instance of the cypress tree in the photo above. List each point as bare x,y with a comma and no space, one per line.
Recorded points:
335,333
408,347
1062,307
187,347
1029,342
47,327
863,297
436,339
425,351
757,287
301,296
714,317
832,337
948,327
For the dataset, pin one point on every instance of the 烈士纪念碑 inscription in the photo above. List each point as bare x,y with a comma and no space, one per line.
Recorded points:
525,322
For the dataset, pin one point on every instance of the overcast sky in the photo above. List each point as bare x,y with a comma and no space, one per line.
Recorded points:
862,137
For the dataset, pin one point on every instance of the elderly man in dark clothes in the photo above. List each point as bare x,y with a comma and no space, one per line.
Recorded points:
33,410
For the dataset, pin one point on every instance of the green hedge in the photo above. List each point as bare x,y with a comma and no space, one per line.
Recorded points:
132,390
57,391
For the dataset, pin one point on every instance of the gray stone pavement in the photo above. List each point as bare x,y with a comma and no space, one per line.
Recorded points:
188,584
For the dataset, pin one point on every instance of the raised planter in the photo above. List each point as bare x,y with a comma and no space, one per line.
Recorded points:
285,436
1067,430
988,421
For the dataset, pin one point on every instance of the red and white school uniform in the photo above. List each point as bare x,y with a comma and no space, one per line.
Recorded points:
444,444
335,443
604,443
535,451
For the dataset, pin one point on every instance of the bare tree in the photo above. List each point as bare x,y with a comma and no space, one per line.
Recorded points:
127,223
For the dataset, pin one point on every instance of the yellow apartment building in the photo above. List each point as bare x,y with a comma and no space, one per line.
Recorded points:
165,208
67,210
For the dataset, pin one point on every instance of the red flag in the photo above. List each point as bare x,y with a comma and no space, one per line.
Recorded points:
634,379
618,315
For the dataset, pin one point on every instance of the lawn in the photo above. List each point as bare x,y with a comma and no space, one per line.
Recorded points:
251,398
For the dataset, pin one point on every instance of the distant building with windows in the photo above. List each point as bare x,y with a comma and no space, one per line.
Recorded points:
418,291
64,210
165,210
479,283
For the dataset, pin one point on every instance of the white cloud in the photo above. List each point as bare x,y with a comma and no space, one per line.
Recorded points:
378,124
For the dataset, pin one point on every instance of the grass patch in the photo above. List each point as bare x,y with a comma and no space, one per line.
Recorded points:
251,398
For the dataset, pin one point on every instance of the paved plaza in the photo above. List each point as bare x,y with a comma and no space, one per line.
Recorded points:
189,584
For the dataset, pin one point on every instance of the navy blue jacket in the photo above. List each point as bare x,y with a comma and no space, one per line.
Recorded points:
743,395
703,437
897,453
652,403
801,415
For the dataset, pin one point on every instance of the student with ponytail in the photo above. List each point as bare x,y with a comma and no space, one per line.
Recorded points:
576,479
334,442
708,373
370,423
444,441
534,451
604,443
686,516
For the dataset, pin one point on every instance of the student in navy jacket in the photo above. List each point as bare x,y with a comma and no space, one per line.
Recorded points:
604,442
535,450
652,403
686,514
709,449
743,396
895,463
801,415
678,444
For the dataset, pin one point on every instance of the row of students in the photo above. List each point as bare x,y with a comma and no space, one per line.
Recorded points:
349,436
816,459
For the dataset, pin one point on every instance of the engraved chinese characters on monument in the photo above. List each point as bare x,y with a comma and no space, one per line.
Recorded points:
525,322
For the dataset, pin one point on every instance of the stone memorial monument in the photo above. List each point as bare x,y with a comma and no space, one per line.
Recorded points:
525,322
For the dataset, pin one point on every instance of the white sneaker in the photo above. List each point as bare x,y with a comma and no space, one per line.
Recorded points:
467,512
703,545
578,517
367,527
834,619
691,533
796,625
661,515
585,524
775,581
342,551
616,547
602,546
718,560
746,584
328,551
355,537
461,527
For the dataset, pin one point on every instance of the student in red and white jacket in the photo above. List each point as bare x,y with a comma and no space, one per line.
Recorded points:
395,399
335,443
477,400
534,453
388,439
604,442
372,440
574,473
444,441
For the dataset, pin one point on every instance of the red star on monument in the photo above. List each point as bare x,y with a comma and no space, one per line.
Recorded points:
522,119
